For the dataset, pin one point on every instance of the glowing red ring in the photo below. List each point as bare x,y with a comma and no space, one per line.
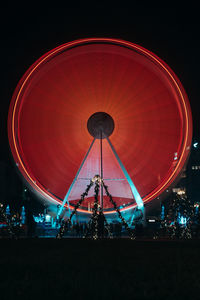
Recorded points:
15,107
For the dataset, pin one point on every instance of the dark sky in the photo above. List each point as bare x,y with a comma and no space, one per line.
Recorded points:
170,31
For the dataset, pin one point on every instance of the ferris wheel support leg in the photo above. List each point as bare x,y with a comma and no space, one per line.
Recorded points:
135,193
75,178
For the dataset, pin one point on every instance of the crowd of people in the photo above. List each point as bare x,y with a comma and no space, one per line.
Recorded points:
168,227
82,229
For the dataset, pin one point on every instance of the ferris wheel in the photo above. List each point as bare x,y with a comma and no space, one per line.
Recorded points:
100,106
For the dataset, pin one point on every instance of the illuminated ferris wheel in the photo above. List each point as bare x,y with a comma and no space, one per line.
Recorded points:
100,106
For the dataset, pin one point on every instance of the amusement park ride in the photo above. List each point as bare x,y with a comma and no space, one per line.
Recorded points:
105,112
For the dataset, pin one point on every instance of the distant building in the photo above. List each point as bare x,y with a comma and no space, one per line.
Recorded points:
193,173
189,182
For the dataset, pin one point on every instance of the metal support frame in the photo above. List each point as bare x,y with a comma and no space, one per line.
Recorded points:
135,193
134,190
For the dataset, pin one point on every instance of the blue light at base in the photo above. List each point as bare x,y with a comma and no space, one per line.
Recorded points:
47,218
182,220
8,210
196,208
162,216
23,215
195,145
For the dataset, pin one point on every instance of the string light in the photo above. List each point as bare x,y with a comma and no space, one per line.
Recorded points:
65,224
130,232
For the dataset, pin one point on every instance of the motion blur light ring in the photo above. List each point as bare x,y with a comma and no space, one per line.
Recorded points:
49,110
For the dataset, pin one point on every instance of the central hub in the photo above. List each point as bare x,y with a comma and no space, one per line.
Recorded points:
100,125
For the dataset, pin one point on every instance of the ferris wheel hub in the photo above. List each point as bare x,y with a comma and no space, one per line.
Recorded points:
100,125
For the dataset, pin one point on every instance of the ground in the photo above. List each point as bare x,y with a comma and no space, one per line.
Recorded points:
109,269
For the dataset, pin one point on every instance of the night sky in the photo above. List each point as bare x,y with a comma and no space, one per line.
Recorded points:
171,32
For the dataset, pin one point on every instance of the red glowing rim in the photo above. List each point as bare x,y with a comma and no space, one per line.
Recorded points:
175,99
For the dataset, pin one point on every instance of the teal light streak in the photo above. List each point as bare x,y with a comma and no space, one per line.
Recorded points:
136,195
71,186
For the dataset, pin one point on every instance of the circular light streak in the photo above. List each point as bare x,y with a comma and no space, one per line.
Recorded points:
60,91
